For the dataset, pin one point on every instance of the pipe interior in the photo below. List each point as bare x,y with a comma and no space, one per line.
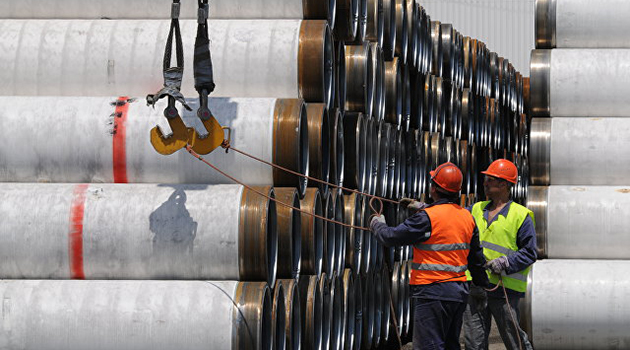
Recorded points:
266,328
328,70
296,237
272,241
318,236
280,331
296,320
303,156
330,235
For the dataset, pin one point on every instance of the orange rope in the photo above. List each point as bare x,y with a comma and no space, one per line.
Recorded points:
196,155
227,147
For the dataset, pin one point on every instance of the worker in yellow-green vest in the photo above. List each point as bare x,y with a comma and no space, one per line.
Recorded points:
507,235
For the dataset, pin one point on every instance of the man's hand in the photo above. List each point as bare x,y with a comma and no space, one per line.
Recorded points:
498,265
375,219
412,205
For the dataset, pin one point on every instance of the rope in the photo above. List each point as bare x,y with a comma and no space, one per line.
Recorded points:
194,154
228,147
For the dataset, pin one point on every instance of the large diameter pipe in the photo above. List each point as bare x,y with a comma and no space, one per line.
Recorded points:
340,233
337,160
319,140
578,151
293,313
347,20
389,35
160,9
138,232
393,91
311,306
336,312
278,318
580,82
355,132
438,56
375,22
51,314
107,140
378,78
578,304
372,155
330,238
369,301
104,58
354,240
359,78
412,33
565,225
289,226
312,230
402,33
340,75
576,24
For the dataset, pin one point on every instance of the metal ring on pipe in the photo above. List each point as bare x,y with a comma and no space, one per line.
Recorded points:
312,232
389,35
337,147
368,311
311,306
327,310
540,151
289,233
359,78
315,57
347,20
383,159
340,234
354,239
278,316
255,233
378,82
402,34
319,142
337,308
348,323
355,132
438,56
375,22
393,91
293,315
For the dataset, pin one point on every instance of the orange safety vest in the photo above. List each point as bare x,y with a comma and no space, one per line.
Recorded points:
444,256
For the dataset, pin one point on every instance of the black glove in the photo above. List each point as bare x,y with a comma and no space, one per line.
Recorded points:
479,298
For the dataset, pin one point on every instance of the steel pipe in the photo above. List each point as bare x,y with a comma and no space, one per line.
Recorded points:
411,163
367,251
359,78
384,140
106,140
336,148
575,151
89,58
412,34
600,88
375,22
293,313
371,156
311,306
330,239
440,106
346,20
278,318
393,91
567,233
393,169
355,132
369,310
385,305
406,97
417,101
428,44
335,305
448,48
340,233
402,34
319,141
428,161
341,92
576,24
348,302
438,55
429,122
160,9
312,230
168,232
289,226
378,78
356,293
564,308
49,314
378,307
327,310
389,34
407,307
354,240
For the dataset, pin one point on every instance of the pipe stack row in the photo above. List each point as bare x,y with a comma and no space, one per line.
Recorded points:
579,171
368,94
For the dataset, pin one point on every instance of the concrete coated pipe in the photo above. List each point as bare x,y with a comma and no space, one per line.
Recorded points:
318,145
578,304
580,151
49,314
340,233
402,33
354,240
347,20
580,82
160,9
289,227
393,91
347,302
375,22
292,315
104,58
369,301
359,78
138,232
378,77
355,132
107,140
577,23
565,225
312,230
278,318
389,34
336,147
311,307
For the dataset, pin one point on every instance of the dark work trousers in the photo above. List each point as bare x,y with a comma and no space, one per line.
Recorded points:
477,324
437,324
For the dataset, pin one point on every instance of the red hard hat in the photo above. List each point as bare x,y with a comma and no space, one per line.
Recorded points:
503,169
448,177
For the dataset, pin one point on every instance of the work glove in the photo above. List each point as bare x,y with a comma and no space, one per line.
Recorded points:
498,265
412,205
375,219
479,296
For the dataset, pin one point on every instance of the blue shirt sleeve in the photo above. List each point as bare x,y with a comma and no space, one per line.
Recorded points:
526,242
416,229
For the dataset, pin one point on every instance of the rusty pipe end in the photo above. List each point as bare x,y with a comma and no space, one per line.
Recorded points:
291,144
289,233
254,316
311,304
258,236
540,80
316,62
312,231
319,144
545,23
293,315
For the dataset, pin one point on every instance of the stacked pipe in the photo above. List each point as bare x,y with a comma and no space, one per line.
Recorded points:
580,174
366,94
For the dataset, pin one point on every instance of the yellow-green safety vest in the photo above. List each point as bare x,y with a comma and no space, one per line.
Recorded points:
499,239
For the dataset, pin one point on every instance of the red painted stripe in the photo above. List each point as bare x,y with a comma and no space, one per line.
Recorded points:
75,234
119,152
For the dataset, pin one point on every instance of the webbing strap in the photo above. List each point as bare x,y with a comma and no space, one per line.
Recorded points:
172,75
204,81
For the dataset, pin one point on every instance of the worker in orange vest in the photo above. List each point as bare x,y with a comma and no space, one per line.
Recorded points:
446,244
